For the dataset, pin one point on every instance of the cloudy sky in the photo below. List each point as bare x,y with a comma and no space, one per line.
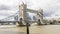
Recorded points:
51,8
8,8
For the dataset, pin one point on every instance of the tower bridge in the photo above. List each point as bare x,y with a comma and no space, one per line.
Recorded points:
21,15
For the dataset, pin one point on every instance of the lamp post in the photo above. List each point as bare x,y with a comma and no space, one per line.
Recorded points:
27,26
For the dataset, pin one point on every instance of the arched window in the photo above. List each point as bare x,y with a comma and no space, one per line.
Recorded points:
34,18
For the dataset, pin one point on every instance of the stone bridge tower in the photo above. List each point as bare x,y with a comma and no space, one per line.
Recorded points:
22,14
40,16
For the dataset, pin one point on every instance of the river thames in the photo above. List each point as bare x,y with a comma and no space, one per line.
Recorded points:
41,29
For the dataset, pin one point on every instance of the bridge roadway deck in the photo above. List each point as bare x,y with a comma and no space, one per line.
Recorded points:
8,21
42,29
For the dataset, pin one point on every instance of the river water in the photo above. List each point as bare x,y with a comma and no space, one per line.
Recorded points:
42,29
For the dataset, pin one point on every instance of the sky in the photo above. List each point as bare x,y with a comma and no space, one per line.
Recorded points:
51,8
8,8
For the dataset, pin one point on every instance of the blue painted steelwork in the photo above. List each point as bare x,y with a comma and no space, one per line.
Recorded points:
10,17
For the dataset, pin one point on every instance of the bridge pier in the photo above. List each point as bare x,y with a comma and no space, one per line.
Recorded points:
39,22
20,23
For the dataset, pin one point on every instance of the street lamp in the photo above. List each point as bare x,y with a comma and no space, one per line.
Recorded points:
27,26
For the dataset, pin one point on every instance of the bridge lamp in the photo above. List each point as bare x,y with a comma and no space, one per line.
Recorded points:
27,26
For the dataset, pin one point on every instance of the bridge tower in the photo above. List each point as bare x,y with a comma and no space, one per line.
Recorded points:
40,16
22,14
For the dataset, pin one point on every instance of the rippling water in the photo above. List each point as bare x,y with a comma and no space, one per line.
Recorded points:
42,29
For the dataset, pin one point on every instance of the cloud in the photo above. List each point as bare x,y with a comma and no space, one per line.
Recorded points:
3,7
50,7
12,4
